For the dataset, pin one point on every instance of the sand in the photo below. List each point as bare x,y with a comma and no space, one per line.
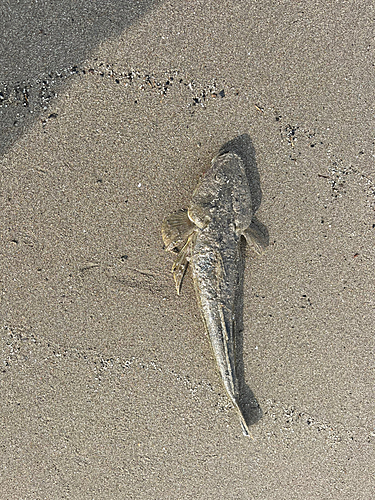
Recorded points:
109,116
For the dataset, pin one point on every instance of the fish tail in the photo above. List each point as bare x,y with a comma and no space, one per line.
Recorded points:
244,426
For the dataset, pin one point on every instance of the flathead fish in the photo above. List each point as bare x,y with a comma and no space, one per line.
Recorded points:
208,236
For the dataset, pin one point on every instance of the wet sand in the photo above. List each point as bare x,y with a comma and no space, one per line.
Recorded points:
108,384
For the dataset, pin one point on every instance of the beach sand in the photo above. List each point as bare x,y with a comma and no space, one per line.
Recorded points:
108,384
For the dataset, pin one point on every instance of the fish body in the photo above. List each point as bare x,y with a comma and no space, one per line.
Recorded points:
208,236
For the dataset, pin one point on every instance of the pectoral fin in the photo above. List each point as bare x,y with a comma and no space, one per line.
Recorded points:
176,229
256,237
179,236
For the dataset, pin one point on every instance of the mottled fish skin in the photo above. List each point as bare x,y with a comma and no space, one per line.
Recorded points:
219,214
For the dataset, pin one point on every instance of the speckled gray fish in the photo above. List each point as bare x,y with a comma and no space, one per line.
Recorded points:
208,236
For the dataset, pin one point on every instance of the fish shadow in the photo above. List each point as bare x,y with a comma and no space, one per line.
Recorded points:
248,403
243,146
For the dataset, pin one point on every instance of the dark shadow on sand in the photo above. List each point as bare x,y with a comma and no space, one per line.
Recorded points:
43,45
242,145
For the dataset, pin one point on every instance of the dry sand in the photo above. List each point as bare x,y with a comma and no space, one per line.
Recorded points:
108,384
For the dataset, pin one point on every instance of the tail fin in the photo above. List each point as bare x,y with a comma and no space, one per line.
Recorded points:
245,428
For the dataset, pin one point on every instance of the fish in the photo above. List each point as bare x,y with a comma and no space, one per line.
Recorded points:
207,235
